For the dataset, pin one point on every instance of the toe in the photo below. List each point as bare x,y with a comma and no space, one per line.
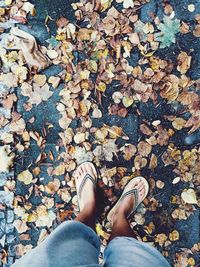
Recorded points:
141,193
139,186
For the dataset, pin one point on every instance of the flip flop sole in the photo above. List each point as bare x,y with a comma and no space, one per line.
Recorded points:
127,188
79,184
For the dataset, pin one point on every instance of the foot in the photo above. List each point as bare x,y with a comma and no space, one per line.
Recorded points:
86,191
127,204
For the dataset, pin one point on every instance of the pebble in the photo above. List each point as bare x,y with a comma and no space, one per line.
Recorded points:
2,241
10,239
3,178
6,198
2,215
10,216
9,228
2,227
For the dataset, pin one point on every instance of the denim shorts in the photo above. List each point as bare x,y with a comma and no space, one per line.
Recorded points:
73,244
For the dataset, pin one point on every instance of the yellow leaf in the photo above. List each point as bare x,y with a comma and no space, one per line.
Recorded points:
101,87
84,74
161,238
79,138
191,261
189,196
184,62
100,232
178,123
174,235
59,170
105,4
61,36
26,177
83,108
8,2
93,66
32,217
40,79
127,101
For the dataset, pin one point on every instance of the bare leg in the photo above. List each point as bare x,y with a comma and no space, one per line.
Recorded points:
120,223
87,213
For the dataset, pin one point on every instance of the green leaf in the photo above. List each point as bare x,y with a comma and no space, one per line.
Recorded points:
168,30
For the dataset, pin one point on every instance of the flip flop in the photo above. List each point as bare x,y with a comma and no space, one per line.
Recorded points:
81,182
130,190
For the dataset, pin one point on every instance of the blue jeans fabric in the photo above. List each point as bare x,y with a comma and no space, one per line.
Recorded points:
73,244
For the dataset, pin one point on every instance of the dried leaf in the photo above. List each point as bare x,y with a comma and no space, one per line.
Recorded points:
189,196
174,235
53,186
6,159
26,177
178,123
184,62
20,226
144,148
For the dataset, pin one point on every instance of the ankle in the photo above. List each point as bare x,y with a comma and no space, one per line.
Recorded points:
118,216
89,208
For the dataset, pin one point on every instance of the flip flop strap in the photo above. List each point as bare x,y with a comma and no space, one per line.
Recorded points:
133,192
87,176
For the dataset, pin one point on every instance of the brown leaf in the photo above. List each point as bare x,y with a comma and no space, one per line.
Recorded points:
62,22
20,226
153,162
129,151
139,162
178,123
145,129
196,31
184,62
144,148
53,186
84,34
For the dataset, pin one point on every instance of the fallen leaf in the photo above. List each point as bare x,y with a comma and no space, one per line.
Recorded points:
59,170
6,157
179,123
144,148
160,184
129,151
26,177
52,54
176,180
53,186
127,102
40,79
174,235
189,196
20,226
184,62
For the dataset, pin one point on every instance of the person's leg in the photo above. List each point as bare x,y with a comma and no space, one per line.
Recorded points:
87,213
73,243
123,249
120,223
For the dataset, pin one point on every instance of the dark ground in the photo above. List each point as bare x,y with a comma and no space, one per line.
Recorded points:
46,113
